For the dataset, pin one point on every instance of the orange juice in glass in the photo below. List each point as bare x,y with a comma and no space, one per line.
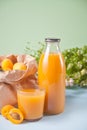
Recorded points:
51,77
31,103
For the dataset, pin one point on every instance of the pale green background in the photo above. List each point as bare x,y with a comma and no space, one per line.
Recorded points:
33,20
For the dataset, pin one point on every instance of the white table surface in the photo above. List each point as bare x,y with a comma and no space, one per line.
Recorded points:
73,118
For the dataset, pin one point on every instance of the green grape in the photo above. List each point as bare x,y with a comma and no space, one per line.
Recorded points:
76,65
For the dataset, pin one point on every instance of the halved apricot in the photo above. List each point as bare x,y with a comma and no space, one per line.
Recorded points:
15,116
5,110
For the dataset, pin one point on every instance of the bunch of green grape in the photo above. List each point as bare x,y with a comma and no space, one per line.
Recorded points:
76,65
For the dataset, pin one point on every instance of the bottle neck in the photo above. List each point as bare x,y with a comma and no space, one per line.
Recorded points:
52,47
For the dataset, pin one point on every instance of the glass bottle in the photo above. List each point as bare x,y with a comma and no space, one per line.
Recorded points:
51,77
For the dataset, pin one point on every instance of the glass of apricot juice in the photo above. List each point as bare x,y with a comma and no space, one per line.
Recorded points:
31,103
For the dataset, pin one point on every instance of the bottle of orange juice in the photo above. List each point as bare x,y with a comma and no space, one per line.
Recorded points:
51,77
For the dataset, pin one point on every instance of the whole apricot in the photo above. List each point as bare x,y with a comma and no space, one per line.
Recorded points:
7,64
19,66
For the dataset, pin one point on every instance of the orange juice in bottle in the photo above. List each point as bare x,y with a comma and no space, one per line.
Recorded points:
51,77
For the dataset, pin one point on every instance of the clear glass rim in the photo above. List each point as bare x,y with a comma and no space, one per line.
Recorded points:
32,92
